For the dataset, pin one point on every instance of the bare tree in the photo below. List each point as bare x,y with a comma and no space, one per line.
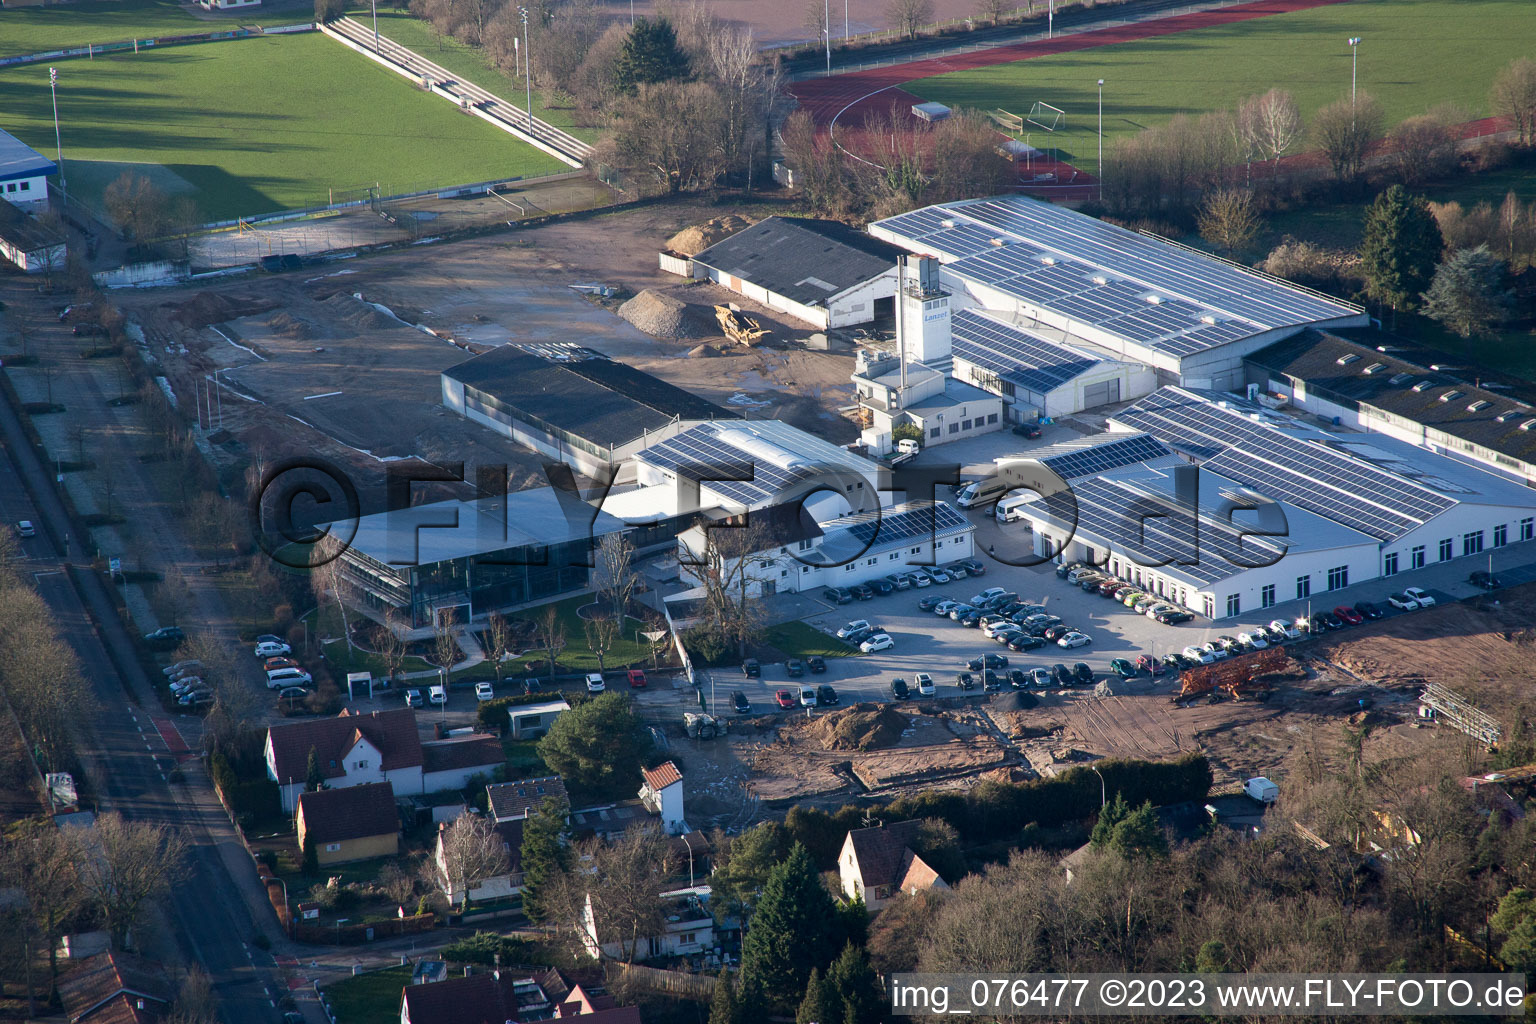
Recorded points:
1272,123
730,570
472,851
816,18
602,633
623,882
1424,147
39,860
397,883
667,131
1345,130
1228,219
445,644
550,629
195,1002
616,575
389,641
992,11
130,863
1514,96
498,641
137,204
910,15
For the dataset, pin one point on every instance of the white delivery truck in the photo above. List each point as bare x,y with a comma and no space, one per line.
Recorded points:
1262,790
1011,508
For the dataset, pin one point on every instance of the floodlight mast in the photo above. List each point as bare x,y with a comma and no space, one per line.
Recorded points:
1101,139
1354,66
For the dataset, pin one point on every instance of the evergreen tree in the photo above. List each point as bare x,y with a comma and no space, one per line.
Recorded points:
650,54
854,983
1516,920
819,1006
792,932
1139,834
1213,958
1469,294
740,876
1113,813
311,859
314,778
853,921
544,857
1400,249
722,1008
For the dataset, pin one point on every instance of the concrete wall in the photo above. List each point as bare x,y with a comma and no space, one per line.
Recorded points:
144,275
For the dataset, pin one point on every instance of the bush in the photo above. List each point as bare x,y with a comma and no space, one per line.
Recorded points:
482,947
708,646
906,432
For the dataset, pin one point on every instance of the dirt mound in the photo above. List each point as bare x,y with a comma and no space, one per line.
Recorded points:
287,325
703,352
662,316
1017,700
860,727
207,308
694,240
359,314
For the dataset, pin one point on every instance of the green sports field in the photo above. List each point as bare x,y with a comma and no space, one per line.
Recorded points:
257,125
471,64
1414,54
62,26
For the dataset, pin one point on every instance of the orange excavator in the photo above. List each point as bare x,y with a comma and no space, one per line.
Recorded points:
1236,677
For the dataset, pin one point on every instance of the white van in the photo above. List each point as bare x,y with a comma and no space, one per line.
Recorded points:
1262,790
907,446
981,492
281,677
1011,509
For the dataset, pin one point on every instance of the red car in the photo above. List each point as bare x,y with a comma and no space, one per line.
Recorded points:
785,699
1349,615
636,679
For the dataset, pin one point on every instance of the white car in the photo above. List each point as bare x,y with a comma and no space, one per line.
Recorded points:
937,575
1403,602
595,683
26,529
987,594
271,650
991,629
281,677
1074,640
1216,650
181,686
1040,677
807,696
943,608
1420,595
1253,640
878,642
484,692
919,579
1199,654
925,687
437,695
172,670
1281,628
852,628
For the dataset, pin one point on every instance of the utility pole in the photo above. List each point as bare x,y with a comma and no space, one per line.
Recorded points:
527,67
53,88
826,25
1101,139
376,27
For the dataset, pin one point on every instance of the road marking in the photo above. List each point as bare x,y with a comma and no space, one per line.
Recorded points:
328,394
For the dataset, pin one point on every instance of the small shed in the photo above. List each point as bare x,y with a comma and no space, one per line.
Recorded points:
930,111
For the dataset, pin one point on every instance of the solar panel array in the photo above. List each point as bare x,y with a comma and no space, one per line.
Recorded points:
1204,302
1013,354
1316,477
699,454
1100,458
908,521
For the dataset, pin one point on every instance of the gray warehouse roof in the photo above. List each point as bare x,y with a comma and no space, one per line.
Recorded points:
1348,368
1014,354
580,391
803,259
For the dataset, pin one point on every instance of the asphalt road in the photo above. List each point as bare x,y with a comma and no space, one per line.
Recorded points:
129,746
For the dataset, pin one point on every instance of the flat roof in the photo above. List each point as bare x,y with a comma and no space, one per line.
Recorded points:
445,530
1016,355
19,160
1149,291
1372,483
804,259
897,526
770,457
1350,368
1100,453
956,392
581,391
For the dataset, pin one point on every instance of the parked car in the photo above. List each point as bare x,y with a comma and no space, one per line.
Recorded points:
413,699
1369,610
196,699
272,664
956,572
595,682
636,677
925,686
171,670
864,634
929,603
1404,602
268,638
1349,615
1066,567
278,678
1056,632
784,698
899,690
1253,640
969,618
987,661
991,682
1123,668
861,592
26,529
937,575
1285,629
826,696
751,669
292,693
794,668
1082,675
181,686
1142,603
532,685
851,628
1109,586
168,638
1074,639
740,703
1175,618
484,692
1481,578
437,695
807,696
1040,678
267,649
1174,663
1420,595
920,579
974,566
959,610
1061,675
1198,654
988,594
878,642
816,663
1006,633
900,580
1022,641
1334,622
881,587
965,681
1018,678
837,595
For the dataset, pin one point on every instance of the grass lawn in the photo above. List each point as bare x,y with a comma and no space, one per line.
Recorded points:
209,121
1415,54
474,66
523,760
797,640
576,657
62,27
368,998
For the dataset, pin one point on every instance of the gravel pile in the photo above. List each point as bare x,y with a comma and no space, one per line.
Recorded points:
1016,700
703,352
662,316
694,240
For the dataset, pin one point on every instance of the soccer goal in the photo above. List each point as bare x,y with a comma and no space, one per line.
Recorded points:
1046,117
1013,124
